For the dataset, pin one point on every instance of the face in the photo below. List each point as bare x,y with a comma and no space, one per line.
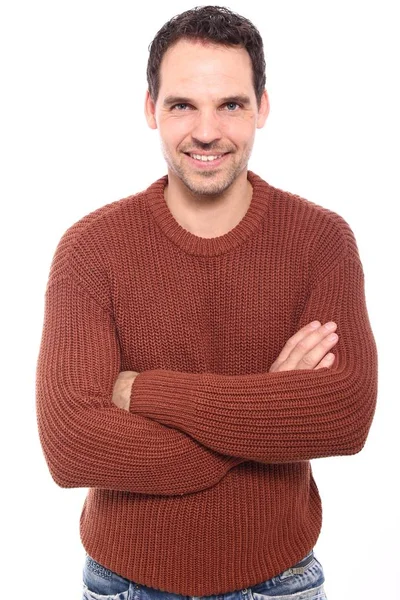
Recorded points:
207,114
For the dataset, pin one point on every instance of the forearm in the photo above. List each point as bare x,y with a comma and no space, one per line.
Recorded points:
125,452
277,417
280,417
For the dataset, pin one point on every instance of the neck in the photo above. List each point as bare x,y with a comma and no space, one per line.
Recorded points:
208,216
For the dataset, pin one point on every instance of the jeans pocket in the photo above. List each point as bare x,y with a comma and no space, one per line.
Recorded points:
312,594
89,595
99,583
304,581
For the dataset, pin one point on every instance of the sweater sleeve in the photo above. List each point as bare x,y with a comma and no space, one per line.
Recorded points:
87,441
288,416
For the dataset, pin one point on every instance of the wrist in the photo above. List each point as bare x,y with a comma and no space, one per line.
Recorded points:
122,390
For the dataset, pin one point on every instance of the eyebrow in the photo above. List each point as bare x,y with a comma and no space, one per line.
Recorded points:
239,99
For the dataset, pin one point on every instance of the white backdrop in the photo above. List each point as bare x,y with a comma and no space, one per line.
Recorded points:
73,137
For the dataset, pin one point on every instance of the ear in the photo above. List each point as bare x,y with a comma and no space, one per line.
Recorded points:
263,111
150,111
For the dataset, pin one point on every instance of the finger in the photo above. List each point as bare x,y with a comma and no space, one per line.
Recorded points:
317,358
308,342
326,362
311,349
294,340
314,357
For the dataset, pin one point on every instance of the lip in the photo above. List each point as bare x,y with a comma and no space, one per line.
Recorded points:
206,165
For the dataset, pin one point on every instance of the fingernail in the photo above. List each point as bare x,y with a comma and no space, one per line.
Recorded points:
332,337
315,324
330,325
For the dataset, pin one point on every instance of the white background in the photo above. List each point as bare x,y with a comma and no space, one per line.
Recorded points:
73,137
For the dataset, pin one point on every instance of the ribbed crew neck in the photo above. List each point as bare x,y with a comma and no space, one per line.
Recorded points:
195,245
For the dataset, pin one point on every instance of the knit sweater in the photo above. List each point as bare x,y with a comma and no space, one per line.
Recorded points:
204,486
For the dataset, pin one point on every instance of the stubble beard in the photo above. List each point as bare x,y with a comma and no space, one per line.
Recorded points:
208,183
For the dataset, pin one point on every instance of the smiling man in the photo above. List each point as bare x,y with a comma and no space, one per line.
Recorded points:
207,114
203,341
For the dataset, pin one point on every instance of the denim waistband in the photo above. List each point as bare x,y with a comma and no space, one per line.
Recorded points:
107,575
304,561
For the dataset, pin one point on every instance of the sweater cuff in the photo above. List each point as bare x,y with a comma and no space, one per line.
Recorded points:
165,396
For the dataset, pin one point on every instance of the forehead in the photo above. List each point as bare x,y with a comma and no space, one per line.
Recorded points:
195,66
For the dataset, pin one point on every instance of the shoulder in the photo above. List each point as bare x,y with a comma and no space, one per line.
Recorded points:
92,239
315,227
104,221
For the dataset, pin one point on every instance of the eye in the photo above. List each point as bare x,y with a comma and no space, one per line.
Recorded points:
180,107
232,106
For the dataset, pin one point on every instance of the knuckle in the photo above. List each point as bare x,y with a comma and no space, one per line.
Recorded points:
302,345
308,361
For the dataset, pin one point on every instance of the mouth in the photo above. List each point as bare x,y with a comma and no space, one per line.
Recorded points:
206,160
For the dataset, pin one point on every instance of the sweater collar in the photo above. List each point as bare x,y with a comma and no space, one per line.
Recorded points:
193,244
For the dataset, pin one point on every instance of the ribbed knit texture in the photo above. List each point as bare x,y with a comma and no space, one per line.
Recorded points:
205,486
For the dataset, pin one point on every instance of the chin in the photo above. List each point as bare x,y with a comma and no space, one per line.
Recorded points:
210,188
209,183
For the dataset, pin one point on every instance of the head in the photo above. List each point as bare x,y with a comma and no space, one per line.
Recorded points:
206,76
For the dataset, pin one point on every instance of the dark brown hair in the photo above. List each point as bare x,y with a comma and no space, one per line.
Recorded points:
214,24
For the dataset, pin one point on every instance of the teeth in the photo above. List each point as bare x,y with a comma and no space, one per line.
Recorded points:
205,158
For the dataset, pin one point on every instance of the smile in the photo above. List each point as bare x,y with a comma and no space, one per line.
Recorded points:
205,158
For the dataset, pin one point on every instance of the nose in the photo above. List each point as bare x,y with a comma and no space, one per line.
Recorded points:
207,127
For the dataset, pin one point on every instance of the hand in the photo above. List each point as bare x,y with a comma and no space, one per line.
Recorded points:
308,348
122,389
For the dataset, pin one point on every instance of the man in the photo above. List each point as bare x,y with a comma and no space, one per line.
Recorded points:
190,367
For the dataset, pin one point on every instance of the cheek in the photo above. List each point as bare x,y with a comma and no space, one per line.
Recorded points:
174,131
242,131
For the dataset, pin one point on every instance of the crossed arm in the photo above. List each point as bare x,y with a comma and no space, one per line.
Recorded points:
183,431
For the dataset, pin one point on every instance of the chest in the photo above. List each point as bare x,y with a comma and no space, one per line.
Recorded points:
229,314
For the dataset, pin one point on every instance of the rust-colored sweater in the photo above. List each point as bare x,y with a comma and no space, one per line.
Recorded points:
205,486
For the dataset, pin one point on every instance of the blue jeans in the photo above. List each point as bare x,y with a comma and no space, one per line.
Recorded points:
304,581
